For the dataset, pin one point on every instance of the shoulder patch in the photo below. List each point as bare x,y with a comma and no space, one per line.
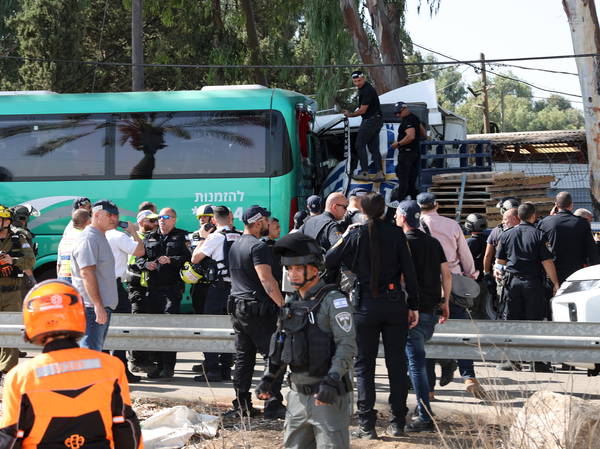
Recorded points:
26,245
344,320
338,303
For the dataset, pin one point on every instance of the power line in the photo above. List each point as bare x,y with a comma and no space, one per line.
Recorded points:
412,75
299,66
537,69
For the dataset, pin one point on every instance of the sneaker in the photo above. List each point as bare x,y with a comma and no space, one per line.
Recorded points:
246,412
394,430
418,425
474,387
141,368
377,177
208,377
275,412
448,368
362,176
508,366
365,433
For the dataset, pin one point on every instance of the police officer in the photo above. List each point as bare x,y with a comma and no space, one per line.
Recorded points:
523,259
476,225
166,252
570,238
368,133
354,212
379,256
407,144
66,396
217,367
254,302
198,291
137,292
16,257
317,322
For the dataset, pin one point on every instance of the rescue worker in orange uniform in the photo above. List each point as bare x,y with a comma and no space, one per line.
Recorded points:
67,396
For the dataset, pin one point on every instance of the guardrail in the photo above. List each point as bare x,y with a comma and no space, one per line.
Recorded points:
458,339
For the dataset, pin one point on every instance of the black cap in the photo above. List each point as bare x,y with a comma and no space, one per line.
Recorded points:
298,249
411,211
106,205
399,106
299,218
357,74
254,213
314,204
78,202
358,191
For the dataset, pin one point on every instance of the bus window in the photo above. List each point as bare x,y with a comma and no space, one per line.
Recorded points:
191,144
52,147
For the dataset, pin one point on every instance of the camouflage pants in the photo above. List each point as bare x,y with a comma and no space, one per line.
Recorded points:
310,426
9,302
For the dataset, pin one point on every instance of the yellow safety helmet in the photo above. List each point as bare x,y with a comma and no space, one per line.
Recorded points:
189,273
5,212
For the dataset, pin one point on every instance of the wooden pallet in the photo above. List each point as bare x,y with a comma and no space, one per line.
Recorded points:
484,177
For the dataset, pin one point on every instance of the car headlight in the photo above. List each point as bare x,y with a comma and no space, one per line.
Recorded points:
577,286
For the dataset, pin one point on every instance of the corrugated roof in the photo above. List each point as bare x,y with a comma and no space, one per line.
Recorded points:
576,136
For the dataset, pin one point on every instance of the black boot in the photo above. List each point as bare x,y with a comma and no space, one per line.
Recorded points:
366,425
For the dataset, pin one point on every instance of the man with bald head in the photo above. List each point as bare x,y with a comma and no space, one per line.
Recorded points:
165,253
570,238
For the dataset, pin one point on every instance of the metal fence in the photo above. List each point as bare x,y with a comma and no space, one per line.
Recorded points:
458,339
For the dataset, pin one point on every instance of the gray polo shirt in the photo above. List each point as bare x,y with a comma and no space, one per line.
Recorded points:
92,248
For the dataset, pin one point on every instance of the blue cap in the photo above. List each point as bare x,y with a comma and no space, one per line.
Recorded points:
399,106
411,211
358,191
254,213
314,204
106,205
425,199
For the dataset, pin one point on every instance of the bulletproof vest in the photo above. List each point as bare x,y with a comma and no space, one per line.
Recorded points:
315,225
299,342
213,272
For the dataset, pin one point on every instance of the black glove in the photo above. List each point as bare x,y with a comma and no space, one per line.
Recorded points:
265,386
490,282
329,389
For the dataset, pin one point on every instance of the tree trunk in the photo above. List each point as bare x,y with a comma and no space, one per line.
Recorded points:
259,74
386,17
585,33
369,54
137,46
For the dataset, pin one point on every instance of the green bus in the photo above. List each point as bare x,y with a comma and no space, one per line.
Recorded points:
231,145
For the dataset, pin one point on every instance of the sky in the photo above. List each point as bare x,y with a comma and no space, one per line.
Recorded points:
463,29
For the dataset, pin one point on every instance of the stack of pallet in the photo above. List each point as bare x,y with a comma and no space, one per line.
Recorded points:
483,190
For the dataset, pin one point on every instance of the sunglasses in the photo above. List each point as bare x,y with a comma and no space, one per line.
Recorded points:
342,205
152,220
165,217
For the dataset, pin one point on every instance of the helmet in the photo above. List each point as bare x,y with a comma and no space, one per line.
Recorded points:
22,212
299,249
476,223
53,307
206,210
506,203
190,273
5,212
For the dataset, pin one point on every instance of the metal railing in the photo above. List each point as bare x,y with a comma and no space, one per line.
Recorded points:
458,339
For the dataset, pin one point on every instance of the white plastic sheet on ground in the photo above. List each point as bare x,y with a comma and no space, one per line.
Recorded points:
173,427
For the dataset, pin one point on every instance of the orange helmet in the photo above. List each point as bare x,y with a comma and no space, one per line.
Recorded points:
50,308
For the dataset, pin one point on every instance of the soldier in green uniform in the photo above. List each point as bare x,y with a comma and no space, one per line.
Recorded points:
316,339
20,218
16,256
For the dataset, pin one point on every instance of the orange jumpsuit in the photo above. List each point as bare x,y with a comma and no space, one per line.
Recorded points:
68,397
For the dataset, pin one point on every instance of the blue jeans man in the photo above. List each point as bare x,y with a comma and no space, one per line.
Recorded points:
95,333
415,352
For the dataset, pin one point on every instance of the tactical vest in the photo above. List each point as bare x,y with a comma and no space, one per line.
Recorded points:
299,342
315,225
15,252
212,271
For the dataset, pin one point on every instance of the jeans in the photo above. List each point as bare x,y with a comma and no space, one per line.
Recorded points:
368,136
415,352
94,333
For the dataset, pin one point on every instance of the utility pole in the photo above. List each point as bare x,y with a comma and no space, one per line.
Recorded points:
137,46
486,107
585,34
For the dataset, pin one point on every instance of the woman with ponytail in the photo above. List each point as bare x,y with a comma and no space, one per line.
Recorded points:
385,304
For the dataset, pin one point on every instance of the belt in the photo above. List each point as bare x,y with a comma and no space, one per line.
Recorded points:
307,389
12,288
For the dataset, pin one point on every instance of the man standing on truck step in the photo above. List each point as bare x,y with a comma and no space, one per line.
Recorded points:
368,133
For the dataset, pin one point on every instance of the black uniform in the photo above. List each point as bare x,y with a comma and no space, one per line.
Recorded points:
368,132
165,286
407,167
384,315
325,229
276,263
571,241
253,316
477,244
525,248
